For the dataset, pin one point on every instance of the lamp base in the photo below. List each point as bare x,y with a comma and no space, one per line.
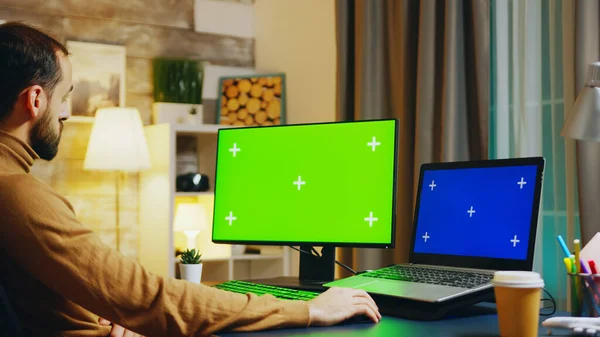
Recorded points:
191,238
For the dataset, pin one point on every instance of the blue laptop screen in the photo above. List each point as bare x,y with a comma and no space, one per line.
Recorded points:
478,212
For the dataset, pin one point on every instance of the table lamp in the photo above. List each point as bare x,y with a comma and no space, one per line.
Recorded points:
190,219
583,124
117,144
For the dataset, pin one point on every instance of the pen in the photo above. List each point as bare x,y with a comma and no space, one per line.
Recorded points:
577,245
563,245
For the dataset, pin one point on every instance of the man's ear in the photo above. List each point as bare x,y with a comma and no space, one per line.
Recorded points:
35,100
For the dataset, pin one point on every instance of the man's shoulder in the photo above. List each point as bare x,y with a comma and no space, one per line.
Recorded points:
21,183
25,188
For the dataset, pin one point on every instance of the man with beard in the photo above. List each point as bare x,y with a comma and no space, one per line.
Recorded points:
59,276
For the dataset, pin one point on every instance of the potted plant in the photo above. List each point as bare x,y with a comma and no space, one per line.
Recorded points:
177,91
191,265
192,117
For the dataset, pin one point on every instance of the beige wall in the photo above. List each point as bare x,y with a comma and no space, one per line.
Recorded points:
298,37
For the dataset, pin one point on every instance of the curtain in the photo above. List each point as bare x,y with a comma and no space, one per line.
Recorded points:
537,68
426,63
586,27
527,112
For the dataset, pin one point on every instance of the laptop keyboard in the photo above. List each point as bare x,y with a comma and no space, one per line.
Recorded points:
454,278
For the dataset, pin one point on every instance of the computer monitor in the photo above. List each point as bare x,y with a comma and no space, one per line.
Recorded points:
310,185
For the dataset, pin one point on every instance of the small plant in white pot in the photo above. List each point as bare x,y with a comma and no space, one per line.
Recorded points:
191,265
193,116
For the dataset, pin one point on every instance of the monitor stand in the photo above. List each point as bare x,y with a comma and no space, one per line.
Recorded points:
314,271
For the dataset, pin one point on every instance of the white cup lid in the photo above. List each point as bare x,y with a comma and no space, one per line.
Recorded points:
517,279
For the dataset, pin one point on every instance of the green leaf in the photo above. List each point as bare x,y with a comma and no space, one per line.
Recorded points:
177,81
191,257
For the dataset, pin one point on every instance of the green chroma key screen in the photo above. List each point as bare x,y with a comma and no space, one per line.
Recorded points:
328,183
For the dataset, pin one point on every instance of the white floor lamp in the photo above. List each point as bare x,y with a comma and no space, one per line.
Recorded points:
117,144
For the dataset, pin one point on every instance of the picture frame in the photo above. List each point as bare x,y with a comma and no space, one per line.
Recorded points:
98,78
252,100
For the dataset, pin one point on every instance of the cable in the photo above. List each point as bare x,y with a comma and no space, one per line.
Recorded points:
315,251
551,299
317,255
345,266
303,251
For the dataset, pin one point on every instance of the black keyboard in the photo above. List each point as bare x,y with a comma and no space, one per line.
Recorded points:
243,287
455,278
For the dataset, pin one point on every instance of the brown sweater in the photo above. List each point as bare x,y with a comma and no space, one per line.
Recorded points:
61,277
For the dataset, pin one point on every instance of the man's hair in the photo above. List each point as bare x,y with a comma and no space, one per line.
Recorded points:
27,57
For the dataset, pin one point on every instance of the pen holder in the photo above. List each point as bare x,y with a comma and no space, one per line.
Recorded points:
585,295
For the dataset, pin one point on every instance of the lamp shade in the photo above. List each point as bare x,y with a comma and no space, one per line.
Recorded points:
583,122
190,217
117,142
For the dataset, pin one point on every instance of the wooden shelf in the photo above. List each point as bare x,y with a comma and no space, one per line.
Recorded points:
158,205
216,258
202,128
194,194
243,257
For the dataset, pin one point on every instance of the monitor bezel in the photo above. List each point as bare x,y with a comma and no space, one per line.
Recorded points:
390,244
481,262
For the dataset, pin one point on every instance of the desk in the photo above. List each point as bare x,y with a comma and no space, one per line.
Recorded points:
484,325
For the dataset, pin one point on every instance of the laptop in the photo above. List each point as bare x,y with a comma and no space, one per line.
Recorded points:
471,219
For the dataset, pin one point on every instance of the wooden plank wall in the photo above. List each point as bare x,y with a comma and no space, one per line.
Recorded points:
148,29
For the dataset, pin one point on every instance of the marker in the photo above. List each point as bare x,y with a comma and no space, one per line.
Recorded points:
573,264
592,267
576,285
595,280
577,244
584,268
567,261
563,245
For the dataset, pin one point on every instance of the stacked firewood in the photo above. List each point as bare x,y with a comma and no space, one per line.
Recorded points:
251,101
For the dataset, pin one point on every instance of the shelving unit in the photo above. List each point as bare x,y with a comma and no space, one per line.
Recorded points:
158,240
193,194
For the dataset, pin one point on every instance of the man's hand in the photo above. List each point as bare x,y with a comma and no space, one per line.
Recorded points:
338,304
117,330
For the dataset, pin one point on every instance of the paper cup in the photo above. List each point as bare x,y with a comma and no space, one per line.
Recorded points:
518,302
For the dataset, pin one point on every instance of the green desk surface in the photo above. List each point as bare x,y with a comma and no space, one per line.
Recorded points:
481,324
